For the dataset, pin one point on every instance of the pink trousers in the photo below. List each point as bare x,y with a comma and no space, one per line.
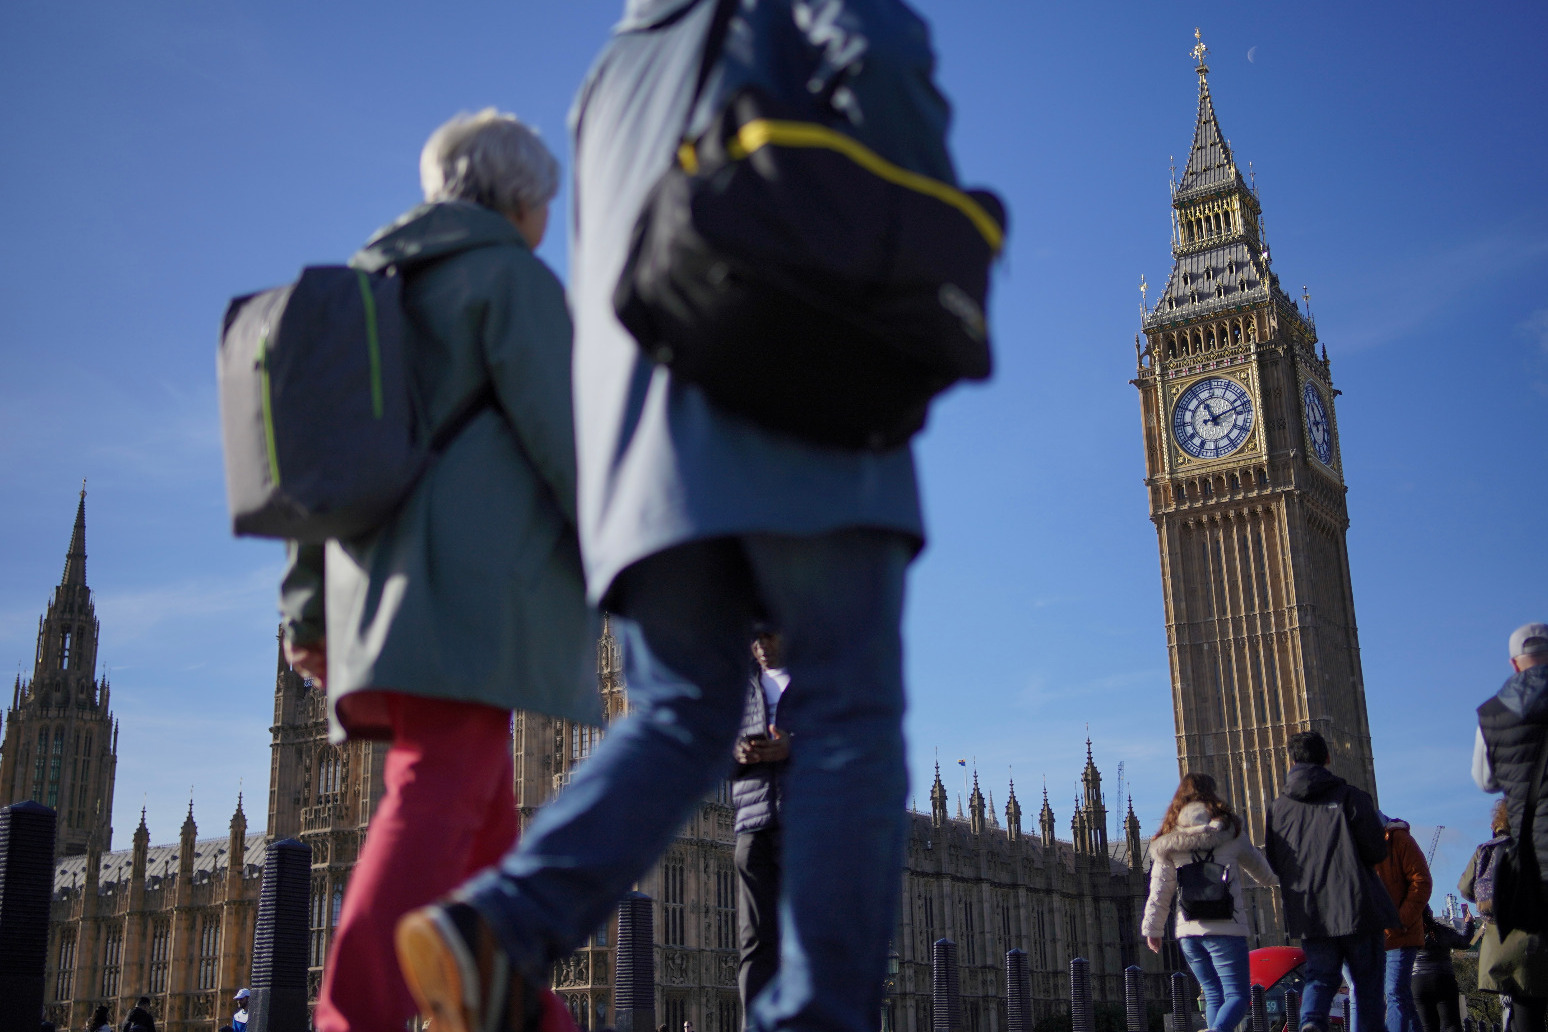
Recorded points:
449,810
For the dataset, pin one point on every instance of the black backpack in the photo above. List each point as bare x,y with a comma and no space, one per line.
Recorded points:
1204,889
801,279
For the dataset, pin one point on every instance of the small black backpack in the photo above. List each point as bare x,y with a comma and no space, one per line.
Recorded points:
1204,889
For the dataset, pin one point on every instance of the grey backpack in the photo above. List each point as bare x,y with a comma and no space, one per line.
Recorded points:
317,412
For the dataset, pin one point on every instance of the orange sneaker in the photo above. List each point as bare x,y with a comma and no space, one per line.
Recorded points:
459,973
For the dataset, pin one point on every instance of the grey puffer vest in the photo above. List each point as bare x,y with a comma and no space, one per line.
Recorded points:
1515,729
755,787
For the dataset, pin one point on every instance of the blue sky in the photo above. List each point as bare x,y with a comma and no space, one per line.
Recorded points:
161,157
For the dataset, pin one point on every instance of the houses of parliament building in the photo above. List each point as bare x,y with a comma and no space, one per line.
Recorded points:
1245,482
175,921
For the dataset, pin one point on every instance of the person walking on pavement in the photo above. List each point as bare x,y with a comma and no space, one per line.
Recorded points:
1200,827
139,1017
760,754
698,526
1323,838
239,1018
470,601
1435,980
1509,753
1406,876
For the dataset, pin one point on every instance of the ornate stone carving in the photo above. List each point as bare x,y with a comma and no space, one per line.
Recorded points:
675,965
572,971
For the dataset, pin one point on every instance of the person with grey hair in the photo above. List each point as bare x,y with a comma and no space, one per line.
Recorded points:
469,602
1509,755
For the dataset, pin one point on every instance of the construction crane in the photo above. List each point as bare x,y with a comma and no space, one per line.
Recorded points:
1429,859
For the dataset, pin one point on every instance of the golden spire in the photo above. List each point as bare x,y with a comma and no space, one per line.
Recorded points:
1198,52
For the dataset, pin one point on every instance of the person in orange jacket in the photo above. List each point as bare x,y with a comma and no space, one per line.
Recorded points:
1407,878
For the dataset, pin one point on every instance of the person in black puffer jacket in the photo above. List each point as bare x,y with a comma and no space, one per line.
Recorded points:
761,750
1512,733
1435,982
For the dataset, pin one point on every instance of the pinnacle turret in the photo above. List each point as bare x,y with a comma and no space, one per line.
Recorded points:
75,558
976,807
938,799
1045,820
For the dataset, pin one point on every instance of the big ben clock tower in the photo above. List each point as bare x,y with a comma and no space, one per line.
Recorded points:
1247,493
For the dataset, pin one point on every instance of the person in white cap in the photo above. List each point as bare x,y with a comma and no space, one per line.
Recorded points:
1509,756
239,1019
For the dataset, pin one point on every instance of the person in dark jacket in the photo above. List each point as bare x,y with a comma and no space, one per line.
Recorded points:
1435,981
1512,734
139,1018
1323,837
760,753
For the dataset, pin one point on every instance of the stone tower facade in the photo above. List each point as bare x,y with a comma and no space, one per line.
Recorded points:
61,741
321,794
1247,494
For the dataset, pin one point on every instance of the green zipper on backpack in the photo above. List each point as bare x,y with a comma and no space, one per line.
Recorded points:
268,410
373,342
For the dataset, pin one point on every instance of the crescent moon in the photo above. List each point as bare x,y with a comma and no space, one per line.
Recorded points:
1251,51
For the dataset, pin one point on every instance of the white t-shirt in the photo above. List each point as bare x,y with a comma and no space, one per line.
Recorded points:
774,683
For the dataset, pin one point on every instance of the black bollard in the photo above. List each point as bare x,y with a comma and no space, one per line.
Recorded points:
26,888
278,1002
945,989
1182,1003
1292,1011
1134,999
1082,1013
634,982
1018,992
1257,1007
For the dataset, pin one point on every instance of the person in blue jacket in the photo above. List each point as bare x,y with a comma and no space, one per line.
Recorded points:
698,525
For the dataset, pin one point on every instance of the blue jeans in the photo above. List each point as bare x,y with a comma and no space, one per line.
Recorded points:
688,616
1365,956
1402,1014
1220,964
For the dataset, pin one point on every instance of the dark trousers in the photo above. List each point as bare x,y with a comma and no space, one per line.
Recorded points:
1365,956
1435,994
1528,1013
757,906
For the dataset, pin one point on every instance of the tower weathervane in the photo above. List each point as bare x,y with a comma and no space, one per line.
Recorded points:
1198,52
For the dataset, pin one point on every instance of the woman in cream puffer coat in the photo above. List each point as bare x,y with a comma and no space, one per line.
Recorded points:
1200,824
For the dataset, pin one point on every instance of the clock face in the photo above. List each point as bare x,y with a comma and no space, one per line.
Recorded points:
1317,424
1212,418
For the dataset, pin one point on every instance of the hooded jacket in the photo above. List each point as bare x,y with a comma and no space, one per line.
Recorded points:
473,590
1407,879
1514,726
1323,838
1197,832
